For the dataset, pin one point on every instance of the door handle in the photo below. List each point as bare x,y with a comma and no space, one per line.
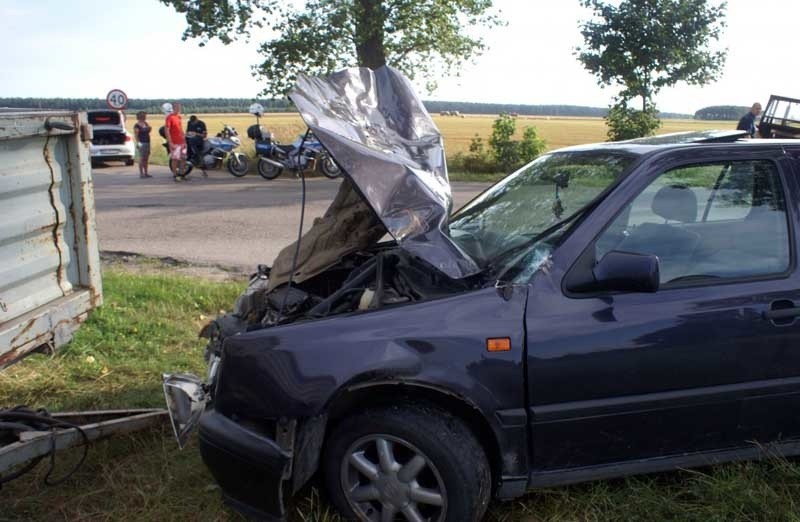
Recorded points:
780,313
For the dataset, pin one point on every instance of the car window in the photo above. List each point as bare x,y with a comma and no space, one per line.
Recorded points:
706,222
529,201
104,118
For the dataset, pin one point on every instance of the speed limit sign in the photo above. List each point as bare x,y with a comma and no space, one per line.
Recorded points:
116,99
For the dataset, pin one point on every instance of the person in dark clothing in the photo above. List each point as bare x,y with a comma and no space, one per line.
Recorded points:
142,130
196,133
748,121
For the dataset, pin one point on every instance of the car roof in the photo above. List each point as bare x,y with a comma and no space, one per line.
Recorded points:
678,140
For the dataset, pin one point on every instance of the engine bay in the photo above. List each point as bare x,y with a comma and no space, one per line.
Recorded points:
385,276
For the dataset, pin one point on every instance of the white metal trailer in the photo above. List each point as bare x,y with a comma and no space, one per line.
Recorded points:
49,261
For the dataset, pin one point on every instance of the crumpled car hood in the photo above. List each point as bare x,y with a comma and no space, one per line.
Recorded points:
384,140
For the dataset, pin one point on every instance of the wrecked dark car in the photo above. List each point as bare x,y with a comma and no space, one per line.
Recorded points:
606,310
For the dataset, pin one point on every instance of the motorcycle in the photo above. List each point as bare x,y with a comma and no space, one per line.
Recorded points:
211,152
306,152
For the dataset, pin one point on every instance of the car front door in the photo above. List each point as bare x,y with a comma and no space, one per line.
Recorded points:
709,361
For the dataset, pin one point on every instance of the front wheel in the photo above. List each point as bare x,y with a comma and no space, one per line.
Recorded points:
416,463
328,167
238,164
187,168
268,170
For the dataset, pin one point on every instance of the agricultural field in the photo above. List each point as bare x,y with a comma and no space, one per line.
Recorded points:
457,132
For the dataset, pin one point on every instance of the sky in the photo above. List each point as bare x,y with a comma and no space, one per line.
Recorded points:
84,48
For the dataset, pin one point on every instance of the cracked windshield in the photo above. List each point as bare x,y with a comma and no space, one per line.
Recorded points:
511,216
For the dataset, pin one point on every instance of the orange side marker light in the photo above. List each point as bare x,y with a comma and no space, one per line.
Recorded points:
498,344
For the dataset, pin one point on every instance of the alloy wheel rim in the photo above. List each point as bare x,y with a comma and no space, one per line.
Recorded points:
386,478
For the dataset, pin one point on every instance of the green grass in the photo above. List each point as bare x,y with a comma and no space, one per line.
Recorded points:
149,324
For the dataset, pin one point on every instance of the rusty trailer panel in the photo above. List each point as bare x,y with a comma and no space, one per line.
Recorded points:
49,261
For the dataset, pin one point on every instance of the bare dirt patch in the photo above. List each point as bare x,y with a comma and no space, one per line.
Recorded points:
140,264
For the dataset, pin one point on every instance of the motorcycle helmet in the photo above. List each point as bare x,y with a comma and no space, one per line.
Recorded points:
256,109
166,108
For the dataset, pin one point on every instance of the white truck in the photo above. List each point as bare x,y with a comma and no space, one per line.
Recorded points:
49,261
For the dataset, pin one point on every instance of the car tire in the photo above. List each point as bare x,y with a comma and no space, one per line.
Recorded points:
433,467
129,162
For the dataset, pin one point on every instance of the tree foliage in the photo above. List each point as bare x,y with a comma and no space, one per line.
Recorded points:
505,154
419,37
721,112
645,45
625,123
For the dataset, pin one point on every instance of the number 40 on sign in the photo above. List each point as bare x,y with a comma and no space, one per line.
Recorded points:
116,99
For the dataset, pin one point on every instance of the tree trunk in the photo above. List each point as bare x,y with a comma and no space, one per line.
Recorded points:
370,20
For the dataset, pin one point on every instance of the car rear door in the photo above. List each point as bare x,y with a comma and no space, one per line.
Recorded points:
709,361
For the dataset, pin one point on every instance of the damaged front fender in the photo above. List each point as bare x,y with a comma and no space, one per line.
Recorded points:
294,370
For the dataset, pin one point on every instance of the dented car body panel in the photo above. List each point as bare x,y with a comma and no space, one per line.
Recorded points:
381,135
293,365
403,345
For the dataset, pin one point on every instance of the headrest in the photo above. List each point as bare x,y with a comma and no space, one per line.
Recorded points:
676,203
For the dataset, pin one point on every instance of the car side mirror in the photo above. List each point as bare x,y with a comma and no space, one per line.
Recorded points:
626,272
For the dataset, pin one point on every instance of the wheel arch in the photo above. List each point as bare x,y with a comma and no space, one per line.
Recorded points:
353,399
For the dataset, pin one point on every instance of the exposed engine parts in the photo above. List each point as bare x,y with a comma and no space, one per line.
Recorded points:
362,281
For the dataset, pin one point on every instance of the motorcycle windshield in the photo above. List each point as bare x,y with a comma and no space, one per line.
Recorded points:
383,139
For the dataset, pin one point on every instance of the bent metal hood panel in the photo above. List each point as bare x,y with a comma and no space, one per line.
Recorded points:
382,137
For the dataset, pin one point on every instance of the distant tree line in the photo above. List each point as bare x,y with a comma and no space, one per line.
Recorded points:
206,105
721,112
200,105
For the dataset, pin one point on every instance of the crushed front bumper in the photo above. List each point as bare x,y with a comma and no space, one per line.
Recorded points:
250,468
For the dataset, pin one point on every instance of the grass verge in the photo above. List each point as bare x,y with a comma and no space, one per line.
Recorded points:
149,324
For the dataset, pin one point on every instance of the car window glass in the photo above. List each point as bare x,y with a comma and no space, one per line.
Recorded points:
104,118
710,221
784,109
524,204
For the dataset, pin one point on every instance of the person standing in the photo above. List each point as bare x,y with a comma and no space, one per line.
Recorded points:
748,121
142,131
176,141
196,134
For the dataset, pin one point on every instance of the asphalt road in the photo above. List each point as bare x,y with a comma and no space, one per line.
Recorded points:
221,220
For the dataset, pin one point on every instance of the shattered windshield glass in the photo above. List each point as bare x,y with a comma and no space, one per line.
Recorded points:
532,200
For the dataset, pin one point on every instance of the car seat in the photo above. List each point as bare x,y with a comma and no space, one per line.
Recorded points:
672,244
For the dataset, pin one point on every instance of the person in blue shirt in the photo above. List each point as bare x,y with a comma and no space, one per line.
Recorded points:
748,121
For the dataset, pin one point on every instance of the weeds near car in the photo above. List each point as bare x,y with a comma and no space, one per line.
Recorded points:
149,324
